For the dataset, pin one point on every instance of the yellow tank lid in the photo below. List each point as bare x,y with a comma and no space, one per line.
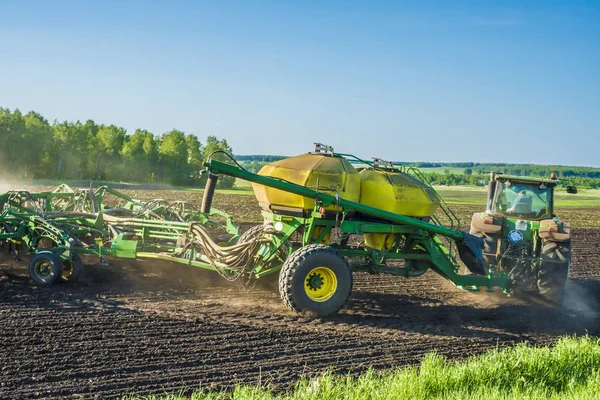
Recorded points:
329,172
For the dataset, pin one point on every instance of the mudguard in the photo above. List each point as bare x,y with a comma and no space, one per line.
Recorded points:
555,231
471,254
478,224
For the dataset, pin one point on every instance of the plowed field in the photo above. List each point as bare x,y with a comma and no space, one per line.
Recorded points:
146,327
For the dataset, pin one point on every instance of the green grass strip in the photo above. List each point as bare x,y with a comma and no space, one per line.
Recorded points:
568,370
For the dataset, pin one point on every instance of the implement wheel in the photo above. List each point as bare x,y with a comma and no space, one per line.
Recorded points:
45,268
554,270
315,279
72,269
251,233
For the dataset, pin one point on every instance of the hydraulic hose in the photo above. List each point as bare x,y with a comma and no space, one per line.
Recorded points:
209,192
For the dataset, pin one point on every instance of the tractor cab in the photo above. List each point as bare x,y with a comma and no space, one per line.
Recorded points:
521,197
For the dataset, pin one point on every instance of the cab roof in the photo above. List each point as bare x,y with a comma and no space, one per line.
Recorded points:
526,179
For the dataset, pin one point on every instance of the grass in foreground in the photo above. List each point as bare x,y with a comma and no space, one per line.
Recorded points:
568,370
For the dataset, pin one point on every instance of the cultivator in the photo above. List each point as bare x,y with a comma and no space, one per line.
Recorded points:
315,220
57,227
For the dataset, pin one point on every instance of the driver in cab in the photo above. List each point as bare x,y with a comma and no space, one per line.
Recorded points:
522,204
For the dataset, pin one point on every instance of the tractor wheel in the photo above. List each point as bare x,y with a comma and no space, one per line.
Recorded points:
490,245
72,269
315,279
554,270
45,268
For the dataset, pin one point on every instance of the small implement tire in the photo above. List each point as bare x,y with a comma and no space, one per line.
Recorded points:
554,270
72,269
251,233
45,268
315,279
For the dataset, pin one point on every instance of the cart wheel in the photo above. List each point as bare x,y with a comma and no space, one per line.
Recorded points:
315,279
45,268
72,269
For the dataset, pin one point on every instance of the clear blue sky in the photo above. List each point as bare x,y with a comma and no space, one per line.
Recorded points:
497,81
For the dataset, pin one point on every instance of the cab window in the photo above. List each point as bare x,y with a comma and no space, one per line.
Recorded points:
525,201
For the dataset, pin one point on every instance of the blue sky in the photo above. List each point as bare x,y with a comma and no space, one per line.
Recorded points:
502,81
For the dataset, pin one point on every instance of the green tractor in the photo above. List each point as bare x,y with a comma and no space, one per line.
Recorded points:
522,235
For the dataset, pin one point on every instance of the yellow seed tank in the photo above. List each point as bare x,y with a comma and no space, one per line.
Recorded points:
396,192
330,173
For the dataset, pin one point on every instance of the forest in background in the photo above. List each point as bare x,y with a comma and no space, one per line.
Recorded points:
34,148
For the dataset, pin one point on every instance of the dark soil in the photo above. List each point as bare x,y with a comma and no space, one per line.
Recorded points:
153,327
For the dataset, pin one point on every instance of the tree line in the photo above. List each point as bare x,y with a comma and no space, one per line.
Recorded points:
517,169
33,148
451,179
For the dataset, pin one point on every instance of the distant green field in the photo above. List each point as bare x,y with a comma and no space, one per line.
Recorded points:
478,195
442,170
450,194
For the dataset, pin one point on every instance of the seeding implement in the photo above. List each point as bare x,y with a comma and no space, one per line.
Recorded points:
319,212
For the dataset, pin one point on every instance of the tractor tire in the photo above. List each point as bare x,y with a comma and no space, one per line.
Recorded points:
72,269
316,280
490,246
45,268
554,270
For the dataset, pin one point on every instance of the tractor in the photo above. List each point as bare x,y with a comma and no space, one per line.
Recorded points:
523,236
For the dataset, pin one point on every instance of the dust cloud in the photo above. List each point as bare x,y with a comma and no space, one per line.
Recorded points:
582,298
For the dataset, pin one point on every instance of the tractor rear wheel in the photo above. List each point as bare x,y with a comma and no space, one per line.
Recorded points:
45,268
315,279
554,270
72,269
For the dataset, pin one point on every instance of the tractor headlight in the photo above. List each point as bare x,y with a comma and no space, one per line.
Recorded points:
515,236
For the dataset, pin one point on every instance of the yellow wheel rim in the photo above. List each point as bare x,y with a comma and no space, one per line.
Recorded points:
67,267
320,284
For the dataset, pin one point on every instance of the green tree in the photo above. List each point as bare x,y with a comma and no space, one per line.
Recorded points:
38,141
12,135
173,156
215,145
140,156
194,148
73,150
109,144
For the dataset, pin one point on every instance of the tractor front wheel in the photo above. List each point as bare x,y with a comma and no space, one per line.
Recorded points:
490,245
554,270
315,279
45,268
